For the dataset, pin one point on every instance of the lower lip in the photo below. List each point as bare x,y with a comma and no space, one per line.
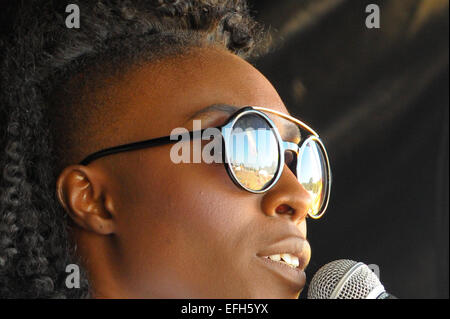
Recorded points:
295,276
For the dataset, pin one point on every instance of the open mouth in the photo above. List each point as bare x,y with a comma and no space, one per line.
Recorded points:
285,258
288,267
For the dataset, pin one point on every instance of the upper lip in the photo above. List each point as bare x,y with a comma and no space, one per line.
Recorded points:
293,245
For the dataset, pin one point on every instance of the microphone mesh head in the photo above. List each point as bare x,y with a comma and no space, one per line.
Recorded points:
330,278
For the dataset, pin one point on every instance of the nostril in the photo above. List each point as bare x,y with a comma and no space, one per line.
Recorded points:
283,208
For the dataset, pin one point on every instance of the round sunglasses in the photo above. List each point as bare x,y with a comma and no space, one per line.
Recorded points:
254,154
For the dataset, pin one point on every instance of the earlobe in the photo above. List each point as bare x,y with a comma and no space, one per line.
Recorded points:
82,195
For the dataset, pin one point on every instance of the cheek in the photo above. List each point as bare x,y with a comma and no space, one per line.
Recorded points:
180,222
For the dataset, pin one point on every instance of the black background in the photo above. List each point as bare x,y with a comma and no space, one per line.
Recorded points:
379,100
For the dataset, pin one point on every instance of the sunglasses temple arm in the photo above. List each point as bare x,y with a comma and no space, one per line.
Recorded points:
143,144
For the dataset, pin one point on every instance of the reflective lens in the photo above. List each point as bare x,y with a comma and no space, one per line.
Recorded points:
253,152
312,174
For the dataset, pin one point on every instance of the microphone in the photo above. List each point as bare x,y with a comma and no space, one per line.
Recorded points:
346,279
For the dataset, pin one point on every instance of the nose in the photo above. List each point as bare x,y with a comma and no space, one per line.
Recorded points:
287,198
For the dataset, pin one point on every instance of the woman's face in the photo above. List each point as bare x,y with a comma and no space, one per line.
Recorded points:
186,230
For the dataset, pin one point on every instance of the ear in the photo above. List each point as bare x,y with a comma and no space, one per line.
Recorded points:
81,192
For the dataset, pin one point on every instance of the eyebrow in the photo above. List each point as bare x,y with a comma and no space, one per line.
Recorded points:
290,130
215,107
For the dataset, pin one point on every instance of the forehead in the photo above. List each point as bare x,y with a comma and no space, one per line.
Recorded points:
153,98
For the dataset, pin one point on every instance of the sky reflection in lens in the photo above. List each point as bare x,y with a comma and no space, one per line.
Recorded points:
311,173
254,152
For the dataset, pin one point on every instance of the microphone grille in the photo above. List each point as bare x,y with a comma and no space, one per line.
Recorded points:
344,279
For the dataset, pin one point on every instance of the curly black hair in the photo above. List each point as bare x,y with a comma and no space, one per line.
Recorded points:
40,57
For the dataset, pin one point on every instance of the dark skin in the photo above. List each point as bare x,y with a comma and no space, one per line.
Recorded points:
148,228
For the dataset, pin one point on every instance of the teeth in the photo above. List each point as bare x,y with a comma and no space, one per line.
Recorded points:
294,261
275,257
286,258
